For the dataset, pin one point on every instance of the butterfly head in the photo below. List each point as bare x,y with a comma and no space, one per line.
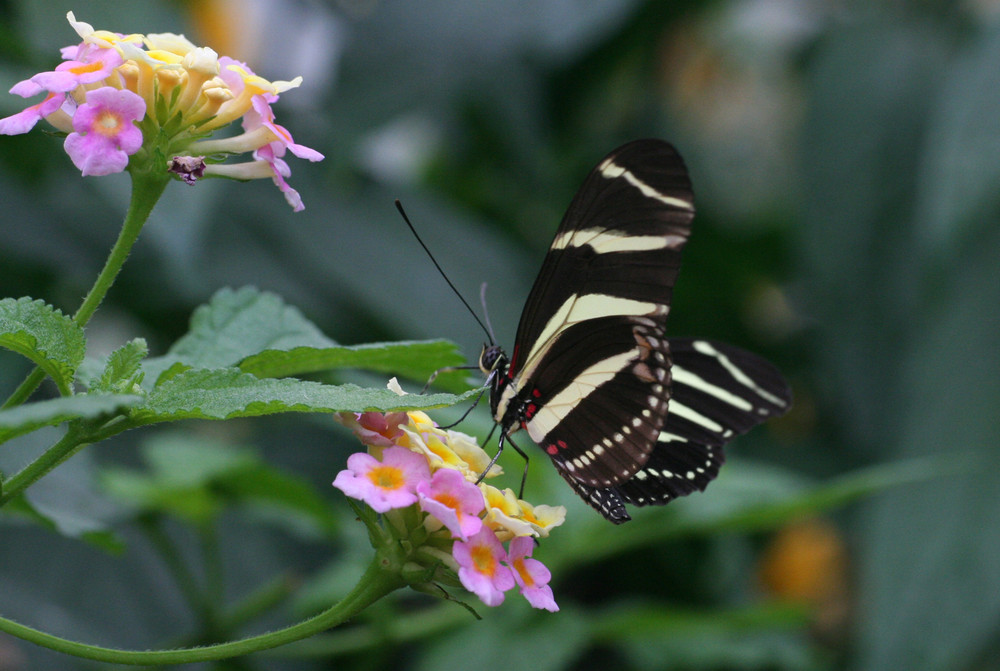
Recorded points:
491,360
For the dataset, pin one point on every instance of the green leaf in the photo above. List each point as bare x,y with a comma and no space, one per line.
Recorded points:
66,502
45,335
121,372
99,537
959,172
412,359
290,500
31,416
234,325
228,392
542,643
196,478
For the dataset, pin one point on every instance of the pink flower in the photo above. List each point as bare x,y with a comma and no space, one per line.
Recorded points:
481,569
384,485
26,119
279,171
375,428
531,575
454,501
188,91
67,76
105,135
261,116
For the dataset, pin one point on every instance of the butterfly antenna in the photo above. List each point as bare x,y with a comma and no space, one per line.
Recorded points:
486,311
489,333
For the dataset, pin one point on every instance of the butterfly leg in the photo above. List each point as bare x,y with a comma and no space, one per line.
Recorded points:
524,473
500,445
445,369
466,413
493,461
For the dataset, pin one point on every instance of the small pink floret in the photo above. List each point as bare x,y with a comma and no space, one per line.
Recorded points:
26,119
531,575
387,484
481,568
453,500
104,133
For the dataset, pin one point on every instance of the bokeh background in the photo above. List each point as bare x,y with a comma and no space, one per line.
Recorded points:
846,162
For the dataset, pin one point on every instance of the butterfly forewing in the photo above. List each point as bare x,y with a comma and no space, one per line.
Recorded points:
617,249
589,377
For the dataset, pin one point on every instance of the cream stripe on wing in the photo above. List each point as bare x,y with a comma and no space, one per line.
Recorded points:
612,170
738,375
603,241
581,308
584,384
688,378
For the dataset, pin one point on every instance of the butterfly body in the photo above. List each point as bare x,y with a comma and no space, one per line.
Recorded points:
592,377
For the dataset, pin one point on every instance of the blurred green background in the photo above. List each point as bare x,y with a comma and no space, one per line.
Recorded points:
846,162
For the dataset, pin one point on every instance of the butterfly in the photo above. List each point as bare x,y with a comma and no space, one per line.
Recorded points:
627,415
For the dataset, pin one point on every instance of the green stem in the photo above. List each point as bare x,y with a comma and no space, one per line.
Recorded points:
147,187
376,583
65,448
77,436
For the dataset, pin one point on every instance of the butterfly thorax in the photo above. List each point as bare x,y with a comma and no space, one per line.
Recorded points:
506,408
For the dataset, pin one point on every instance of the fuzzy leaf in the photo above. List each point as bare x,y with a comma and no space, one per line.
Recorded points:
45,335
412,359
228,392
236,324
121,371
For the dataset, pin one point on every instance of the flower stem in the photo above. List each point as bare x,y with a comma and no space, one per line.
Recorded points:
377,582
147,188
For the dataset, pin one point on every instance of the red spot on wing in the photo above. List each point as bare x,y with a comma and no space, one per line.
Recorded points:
513,362
552,450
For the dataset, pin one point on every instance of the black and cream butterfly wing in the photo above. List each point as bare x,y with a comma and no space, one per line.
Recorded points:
626,415
718,391
589,374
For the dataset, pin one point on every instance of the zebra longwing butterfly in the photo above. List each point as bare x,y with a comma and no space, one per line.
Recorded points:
626,415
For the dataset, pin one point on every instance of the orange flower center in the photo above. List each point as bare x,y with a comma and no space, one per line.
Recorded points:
484,560
386,477
523,572
86,67
108,123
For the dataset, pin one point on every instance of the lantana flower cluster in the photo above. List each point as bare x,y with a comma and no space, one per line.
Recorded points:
423,479
150,102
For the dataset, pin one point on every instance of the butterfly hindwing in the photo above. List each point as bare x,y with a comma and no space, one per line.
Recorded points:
746,390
